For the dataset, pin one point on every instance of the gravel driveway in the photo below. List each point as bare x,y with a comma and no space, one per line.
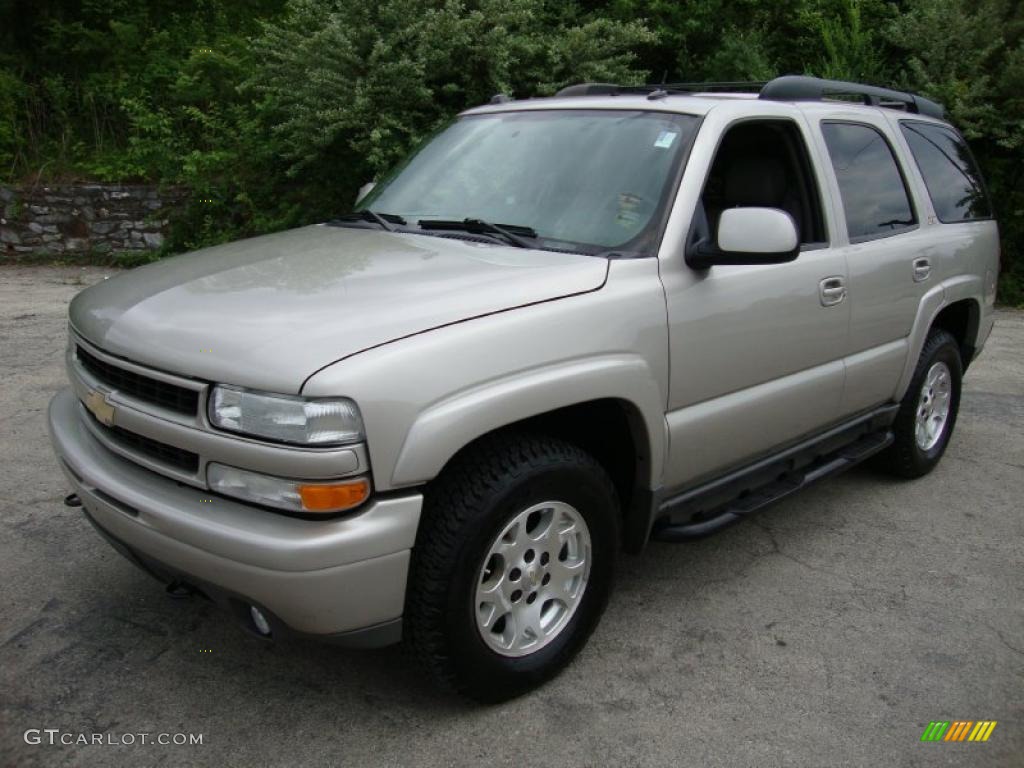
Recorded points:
828,631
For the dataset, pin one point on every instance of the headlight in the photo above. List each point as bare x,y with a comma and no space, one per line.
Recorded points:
286,418
294,495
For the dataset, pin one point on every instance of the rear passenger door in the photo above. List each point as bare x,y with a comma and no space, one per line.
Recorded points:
887,252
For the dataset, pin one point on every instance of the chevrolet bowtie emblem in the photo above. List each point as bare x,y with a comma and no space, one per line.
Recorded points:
97,404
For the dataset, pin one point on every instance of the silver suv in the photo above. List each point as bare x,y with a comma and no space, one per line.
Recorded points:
561,327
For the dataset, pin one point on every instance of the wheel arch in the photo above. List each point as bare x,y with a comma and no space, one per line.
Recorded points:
962,320
612,430
612,408
953,306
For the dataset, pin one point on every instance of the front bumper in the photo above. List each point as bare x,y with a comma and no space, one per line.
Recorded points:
343,578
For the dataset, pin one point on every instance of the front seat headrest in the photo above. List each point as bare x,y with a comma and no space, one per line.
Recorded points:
755,180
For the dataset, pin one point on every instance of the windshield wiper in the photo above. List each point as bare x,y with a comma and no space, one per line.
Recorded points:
384,220
512,233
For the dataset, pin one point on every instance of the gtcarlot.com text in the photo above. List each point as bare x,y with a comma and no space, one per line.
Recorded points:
57,737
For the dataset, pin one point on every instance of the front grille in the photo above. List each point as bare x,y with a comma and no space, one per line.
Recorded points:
154,449
170,396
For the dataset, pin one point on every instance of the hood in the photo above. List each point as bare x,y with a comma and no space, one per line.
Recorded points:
268,312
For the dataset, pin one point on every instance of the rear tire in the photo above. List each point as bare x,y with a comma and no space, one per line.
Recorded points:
476,539
928,411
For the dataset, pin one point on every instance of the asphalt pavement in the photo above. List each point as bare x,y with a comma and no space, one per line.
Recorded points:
828,631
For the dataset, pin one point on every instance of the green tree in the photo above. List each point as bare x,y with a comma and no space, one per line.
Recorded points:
369,80
274,111
850,44
978,73
337,91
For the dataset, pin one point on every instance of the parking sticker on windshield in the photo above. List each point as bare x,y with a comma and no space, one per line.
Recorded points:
628,205
665,139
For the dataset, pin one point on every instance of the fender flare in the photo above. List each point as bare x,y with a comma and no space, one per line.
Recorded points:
932,303
447,426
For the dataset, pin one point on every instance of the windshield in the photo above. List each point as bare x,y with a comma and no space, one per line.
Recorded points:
590,180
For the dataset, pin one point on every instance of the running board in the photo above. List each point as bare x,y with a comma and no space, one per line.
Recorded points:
745,502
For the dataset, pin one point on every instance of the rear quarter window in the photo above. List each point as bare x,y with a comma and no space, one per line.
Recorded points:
949,171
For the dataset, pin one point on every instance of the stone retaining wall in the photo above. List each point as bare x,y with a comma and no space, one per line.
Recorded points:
84,218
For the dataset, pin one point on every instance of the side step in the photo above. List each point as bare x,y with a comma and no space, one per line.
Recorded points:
701,518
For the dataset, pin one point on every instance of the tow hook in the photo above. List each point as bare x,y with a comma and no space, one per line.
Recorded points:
179,590
72,500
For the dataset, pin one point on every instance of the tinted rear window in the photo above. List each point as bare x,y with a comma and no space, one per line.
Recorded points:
949,172
875,198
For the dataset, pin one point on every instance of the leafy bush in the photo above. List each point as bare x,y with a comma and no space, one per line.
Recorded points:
273,112
345,89
978,73
12,94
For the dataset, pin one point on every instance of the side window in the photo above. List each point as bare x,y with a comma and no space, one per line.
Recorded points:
875,197
949,172
763,164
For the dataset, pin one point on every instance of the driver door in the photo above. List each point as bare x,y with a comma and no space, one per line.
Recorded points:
755,351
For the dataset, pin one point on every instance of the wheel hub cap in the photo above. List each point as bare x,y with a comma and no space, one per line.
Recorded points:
533,578
933,406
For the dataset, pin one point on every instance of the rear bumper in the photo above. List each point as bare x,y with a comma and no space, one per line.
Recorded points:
342,578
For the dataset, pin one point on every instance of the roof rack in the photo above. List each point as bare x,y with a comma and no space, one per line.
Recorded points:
738,86
655,90
786,88
799,88
603,89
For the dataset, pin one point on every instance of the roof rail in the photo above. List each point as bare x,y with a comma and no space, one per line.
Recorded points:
611,89
600,89
799,88
786,88
729,87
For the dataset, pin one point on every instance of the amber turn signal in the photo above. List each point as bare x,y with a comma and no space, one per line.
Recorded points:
336,497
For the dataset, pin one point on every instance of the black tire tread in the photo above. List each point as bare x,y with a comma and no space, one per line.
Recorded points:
465,487
902,457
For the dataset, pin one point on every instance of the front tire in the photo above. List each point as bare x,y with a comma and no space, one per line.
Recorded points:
513,565
929,409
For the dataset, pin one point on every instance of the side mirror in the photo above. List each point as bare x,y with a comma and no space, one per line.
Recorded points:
365,190
748,236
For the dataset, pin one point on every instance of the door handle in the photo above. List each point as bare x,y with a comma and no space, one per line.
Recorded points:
832,291
922,269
